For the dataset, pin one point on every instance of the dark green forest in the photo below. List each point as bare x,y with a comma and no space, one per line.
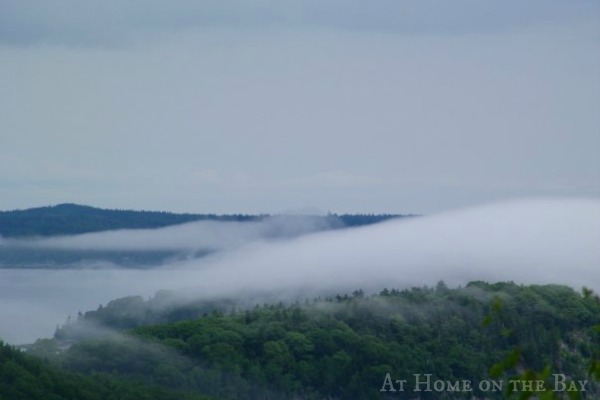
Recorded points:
23,377
71,219
338,347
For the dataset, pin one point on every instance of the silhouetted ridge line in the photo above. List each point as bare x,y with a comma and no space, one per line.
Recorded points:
72,219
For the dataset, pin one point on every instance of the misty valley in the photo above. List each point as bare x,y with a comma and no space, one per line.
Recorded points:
108,304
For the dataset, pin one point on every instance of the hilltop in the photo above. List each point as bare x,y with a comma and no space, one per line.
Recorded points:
72,219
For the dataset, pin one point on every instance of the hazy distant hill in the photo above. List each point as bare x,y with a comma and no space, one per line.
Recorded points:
70,219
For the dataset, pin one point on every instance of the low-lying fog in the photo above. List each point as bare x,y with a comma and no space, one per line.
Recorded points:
541,241
144,248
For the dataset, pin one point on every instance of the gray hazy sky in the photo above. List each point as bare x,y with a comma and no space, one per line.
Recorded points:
269,106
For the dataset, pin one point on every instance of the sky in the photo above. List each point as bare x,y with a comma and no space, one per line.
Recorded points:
264,106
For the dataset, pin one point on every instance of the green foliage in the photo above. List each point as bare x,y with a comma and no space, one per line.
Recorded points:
343,347
26,377
522,379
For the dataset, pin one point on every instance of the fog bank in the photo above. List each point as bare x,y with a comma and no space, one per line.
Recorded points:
537,241
541,241
209,235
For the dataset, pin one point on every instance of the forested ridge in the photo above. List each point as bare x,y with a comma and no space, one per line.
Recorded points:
71,219
23,377
343,346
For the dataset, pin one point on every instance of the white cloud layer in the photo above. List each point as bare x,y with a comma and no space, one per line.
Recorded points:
193,236
529,242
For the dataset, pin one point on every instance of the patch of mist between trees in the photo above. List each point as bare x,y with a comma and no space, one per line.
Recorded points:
89,341
385,305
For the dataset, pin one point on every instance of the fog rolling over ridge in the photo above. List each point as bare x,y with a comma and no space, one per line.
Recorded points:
536,241
209,235
143,248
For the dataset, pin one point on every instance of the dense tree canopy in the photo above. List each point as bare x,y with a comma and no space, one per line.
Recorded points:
343,347
26,377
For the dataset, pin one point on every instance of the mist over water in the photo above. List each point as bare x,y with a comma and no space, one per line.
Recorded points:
537,241
201,235
34,301
145,248
527,242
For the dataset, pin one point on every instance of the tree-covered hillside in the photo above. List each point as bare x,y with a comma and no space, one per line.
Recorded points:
71,219
343,347
23,377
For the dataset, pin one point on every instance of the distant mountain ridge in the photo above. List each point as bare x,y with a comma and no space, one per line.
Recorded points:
72,219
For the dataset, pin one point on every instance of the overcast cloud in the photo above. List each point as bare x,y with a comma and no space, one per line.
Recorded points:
112,22
264,106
